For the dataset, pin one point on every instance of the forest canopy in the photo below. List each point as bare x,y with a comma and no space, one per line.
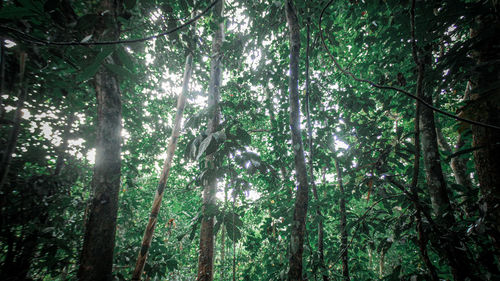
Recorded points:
250,140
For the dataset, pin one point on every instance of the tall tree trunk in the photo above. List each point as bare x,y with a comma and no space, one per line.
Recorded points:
16,127
155,209
343,225
2,73
206,254
324,272
233,240
99,240
485,99
223,239
301,201
449,244
421,235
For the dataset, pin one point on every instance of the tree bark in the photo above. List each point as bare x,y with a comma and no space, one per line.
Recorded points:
14,133
449,244
97,252
421,238
300,211
206,254
324,272
458,164
155,209
485,100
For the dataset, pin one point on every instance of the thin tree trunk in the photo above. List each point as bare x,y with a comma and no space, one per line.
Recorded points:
14,133
97,252
155,209
64,145
458,164
321,253
421,238
234,242
223,239
2,73
343,225
485,99
449,244
206,254
300,211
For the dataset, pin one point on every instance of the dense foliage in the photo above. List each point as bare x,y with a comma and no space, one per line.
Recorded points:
362,137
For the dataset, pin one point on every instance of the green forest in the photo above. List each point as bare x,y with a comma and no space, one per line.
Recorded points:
250,140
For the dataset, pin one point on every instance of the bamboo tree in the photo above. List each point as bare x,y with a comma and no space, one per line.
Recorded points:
99,240
155,209
206,253
302,197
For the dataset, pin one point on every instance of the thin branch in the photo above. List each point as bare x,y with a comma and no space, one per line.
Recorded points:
378,86
33,40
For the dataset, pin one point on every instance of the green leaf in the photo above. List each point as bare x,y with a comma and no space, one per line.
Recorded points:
119,71
90,70
129,4
243,136
12,12
205,144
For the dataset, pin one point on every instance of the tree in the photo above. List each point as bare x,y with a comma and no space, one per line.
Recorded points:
99,240
301,201
206,256
485,106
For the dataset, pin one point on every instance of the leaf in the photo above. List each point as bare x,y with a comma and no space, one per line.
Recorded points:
121,72
204,145
86,38
243,136
233,232
125,58
15,13
129,4
90,70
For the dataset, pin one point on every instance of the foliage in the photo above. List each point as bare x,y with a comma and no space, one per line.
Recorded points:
370,131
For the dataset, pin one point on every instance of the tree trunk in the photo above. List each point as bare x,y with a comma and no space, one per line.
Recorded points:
458,164
300,211
99,240
324,272
155,209
485,100
2,73
449,244
421,235
206,254
16,127
343,225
